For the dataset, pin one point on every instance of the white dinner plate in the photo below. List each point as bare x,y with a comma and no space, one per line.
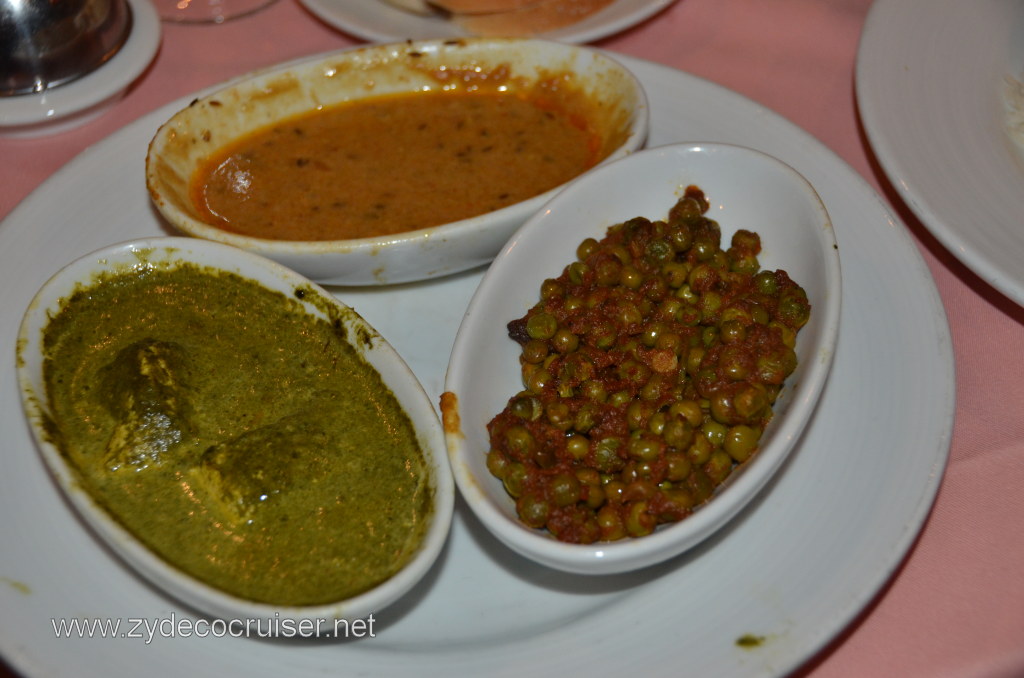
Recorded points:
785,577
931,86
376,20
82,99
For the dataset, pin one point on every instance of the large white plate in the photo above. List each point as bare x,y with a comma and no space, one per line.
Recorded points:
794,569
377,20
930,87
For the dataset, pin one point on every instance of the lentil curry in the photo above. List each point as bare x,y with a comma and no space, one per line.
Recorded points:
393,164
650,366
242,439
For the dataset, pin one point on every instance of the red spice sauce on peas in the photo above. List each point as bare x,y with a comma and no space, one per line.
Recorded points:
650,367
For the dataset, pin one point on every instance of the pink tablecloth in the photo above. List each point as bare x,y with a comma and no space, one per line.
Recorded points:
956,605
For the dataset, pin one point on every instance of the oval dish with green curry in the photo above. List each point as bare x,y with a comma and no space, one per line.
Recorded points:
244,440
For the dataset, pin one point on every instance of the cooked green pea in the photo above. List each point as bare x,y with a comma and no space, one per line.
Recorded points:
603,335
650,333
526,407
687,294
515,479
564,489
586,248
613,490
594,390
639,490
497,463
718,467
610,523
680,499
565,341
644,447
694,359
765,283
520,441
594,496
653,388
710,305
773,368
656,424
637,414
630,278
747,241
533,510
620,398
551,289
539,380
630,315
733,332
700,485
577,271
699,451
703,250
722,408
675,274
678,466
588,476
622,254
559,415
638,521
714,432
788,333
689,410
535,351
743,263
750,402
578,446
678,433
670,341
735,363
541,325
686,211
607,272
740,442
680,236
606,455
660,250
794,310
586,418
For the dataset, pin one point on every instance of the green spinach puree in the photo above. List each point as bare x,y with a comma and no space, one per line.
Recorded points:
239,437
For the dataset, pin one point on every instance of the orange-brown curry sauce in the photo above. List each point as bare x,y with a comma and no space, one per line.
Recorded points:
393,164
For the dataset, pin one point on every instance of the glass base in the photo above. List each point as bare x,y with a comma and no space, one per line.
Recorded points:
207,11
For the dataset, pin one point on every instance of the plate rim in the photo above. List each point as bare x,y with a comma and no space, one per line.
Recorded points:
332,12
887,20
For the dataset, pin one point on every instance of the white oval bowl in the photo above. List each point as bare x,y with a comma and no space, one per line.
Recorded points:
191,135
169,251
747,189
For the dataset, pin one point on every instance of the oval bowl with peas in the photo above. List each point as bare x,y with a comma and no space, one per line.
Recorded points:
643,355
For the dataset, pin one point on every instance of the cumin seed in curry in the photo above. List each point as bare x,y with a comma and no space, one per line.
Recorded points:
393,164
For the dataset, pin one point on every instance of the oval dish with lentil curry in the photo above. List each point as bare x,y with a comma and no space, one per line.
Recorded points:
393,163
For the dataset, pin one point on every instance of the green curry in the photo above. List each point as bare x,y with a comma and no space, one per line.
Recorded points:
242,439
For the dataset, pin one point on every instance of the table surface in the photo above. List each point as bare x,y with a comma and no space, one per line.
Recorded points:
955,606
